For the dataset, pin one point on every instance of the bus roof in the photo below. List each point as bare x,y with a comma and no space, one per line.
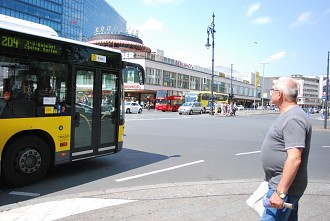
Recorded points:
20,25
32,28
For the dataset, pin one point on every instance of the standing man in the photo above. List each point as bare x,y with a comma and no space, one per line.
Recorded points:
284,153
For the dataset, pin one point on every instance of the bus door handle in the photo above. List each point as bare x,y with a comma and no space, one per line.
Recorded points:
77,119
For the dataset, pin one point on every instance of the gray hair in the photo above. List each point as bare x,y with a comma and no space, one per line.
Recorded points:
289,88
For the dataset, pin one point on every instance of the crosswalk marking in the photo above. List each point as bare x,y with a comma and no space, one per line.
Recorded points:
53,210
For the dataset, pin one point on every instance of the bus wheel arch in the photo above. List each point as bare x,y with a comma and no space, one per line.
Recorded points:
26,159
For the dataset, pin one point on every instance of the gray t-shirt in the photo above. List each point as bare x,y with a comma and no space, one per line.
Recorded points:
290,130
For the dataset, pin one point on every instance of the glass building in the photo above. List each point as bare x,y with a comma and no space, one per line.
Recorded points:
74,19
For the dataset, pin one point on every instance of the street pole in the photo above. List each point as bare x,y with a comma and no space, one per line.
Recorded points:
210,29
255,91
263,84
231,83
326,96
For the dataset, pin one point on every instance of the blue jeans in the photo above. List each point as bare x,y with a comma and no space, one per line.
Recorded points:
285,214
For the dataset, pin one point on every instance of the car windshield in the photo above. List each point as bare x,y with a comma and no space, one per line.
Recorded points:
187,104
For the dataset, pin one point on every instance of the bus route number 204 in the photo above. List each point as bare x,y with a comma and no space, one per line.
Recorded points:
10,42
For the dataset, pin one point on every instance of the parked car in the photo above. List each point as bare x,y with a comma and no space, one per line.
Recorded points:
132,107
240,107
191,108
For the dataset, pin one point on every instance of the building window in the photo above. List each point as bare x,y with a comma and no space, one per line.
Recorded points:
194,83
169,79
153,76
183,81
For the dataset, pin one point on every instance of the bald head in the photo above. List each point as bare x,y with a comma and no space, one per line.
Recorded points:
289,88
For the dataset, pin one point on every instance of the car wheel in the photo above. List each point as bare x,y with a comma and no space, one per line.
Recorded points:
25,161
180,113
127,111
201,111
190,112
140,111
204,110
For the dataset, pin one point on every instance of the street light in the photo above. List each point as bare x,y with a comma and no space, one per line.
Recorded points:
326,96
231,83
210,29
263,84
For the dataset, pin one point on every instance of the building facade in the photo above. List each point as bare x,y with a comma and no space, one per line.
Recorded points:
308,90
178,78
74,19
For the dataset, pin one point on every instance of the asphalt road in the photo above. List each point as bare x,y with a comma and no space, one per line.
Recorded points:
162,148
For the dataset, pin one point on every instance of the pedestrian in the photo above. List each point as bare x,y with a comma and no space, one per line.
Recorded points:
148,105
85,100
284,153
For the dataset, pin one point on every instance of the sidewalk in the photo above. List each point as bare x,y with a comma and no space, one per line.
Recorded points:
213,200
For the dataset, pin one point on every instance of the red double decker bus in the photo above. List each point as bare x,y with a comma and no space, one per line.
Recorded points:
171,103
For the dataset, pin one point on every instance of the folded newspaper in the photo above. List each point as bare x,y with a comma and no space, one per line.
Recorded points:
255,201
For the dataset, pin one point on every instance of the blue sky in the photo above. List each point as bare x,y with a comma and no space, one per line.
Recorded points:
292,36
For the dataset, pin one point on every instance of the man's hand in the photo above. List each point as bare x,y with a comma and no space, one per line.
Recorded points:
276,202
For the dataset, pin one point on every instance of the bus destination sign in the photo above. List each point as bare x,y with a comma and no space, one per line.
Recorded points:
30,45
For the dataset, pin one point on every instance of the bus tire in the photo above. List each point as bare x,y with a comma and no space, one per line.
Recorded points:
26,161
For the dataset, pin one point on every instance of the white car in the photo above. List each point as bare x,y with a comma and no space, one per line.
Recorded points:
240,107
190,108
132,107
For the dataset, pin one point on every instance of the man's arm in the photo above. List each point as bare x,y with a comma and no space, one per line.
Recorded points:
290,170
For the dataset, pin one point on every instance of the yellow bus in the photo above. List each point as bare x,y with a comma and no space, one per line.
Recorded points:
205,98
60,100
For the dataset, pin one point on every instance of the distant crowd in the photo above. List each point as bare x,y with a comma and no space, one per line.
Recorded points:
225,109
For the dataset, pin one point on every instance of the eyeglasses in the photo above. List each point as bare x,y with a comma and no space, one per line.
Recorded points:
271,90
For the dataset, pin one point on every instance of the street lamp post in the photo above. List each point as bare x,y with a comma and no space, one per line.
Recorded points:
231,83
263,84
210,30
326,96
255,91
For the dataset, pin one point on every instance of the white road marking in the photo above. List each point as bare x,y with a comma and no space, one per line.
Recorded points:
168,118
24,193
252,152
325,146
54,210
158,171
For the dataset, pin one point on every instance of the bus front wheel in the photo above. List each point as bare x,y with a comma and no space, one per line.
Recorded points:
25,161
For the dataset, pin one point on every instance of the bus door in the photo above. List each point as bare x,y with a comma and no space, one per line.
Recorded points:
94,126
